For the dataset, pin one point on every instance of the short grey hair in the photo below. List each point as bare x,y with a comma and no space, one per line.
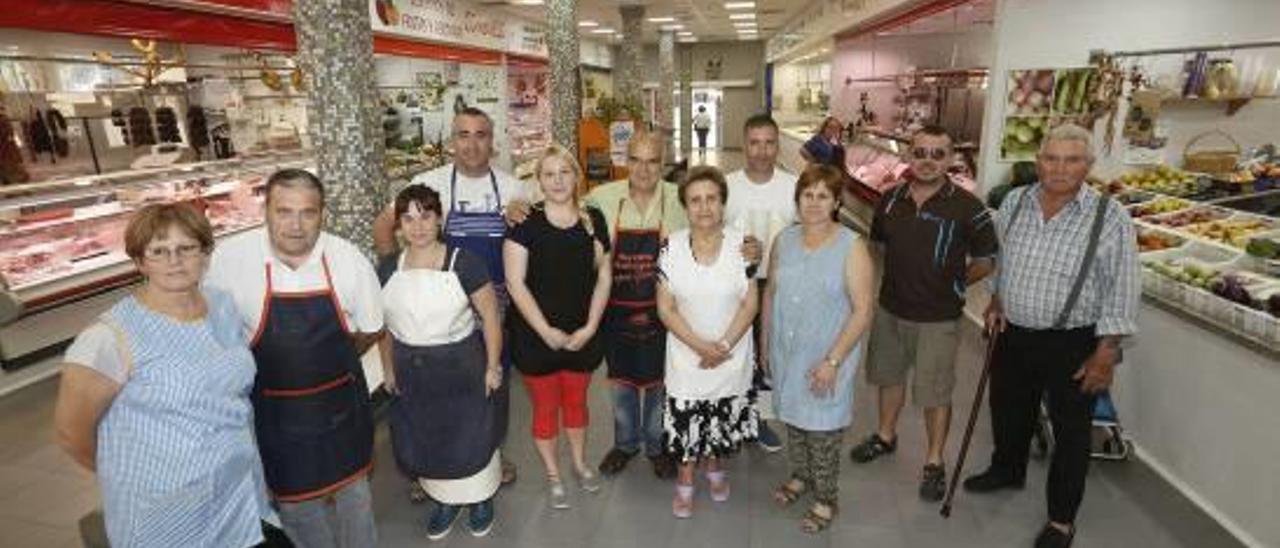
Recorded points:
1069,132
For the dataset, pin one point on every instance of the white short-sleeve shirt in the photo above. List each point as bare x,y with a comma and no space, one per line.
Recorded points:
761,209
101,347
475,194
708,297
239,264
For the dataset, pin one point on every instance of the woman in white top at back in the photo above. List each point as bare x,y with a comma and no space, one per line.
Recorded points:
707,303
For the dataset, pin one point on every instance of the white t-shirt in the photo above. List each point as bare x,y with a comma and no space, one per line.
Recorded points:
707,298
761,210
239,264
475,195
702,120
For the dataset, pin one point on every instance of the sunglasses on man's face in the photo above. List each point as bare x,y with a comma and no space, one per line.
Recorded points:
921,153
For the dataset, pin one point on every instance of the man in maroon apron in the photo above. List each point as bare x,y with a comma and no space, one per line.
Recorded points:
640,211
310,302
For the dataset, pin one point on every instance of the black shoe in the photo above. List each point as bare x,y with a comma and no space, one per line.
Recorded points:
872,448
615,461
663,466
992,480
1052,537
933,483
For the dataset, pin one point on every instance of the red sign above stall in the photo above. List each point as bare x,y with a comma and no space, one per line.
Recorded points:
254,24
130,20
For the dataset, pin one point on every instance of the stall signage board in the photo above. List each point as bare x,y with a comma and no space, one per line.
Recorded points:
526,38
620,134
450,21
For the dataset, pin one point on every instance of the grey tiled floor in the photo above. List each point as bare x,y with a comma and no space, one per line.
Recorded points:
42,495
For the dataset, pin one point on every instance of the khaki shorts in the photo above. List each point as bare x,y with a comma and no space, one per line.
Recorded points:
898,345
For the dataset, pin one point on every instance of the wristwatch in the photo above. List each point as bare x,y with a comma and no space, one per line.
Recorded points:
834,363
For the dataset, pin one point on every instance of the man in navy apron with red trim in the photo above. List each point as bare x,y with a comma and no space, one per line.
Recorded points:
310,303
477,199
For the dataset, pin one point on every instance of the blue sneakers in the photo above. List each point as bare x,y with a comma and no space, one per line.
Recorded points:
480,519
768,439
441,521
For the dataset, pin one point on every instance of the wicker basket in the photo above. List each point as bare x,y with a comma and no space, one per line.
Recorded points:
1211,161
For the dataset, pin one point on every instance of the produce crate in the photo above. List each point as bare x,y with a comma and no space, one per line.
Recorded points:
1187,217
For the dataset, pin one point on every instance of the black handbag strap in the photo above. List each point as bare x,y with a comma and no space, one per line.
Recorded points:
1090,251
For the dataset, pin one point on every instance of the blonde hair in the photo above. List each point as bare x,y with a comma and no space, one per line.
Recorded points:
560,153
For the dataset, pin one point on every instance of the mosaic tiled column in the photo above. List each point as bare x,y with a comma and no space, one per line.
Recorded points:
566,84
630,77
666,87
335,47
686,101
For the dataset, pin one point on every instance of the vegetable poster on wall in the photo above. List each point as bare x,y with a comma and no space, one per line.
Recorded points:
1039,100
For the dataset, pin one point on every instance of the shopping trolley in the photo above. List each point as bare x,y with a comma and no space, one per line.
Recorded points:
1109,441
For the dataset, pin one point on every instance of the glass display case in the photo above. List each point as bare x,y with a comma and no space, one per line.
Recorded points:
62,242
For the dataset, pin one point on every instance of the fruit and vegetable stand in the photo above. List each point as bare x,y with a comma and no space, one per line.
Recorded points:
1215,258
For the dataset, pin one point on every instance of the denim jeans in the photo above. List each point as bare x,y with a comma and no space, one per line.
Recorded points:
343,519
630,404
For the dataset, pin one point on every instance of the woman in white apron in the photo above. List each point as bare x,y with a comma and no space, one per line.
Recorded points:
707,303
442,366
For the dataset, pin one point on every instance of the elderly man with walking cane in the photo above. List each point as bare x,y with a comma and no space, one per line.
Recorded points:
1067,290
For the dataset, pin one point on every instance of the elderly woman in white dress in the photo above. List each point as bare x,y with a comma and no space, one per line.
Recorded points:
707,303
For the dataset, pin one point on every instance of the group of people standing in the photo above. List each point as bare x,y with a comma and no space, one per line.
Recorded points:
224,400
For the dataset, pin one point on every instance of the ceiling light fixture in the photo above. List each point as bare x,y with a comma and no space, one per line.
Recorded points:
739,5
662,19
744,24
588,24
676,26
602,31
747,15
527,2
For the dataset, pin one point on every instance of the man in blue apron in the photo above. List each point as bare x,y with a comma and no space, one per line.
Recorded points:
476,198
310,305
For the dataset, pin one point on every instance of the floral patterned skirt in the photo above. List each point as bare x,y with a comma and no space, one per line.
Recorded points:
696,429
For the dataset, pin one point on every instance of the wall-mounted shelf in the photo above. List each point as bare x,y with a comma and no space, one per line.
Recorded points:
1233,104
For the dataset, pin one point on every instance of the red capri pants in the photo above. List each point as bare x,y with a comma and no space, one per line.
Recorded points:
562,393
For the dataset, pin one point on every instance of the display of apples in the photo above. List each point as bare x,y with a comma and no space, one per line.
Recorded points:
1151,240
1159,206
1234,232
1190,274
1189,217
1165,180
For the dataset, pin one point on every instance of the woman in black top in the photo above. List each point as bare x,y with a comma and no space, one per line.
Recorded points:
558,274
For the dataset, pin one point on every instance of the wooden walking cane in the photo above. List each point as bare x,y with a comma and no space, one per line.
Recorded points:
968,430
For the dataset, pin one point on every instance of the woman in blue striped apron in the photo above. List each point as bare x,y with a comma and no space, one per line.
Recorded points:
155,400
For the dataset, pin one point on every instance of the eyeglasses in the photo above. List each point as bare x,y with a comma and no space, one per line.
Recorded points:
920,153
164,254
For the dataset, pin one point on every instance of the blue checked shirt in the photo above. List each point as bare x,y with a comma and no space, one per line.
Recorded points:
1039,259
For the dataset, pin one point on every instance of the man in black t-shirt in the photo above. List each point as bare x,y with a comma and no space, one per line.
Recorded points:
937,239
